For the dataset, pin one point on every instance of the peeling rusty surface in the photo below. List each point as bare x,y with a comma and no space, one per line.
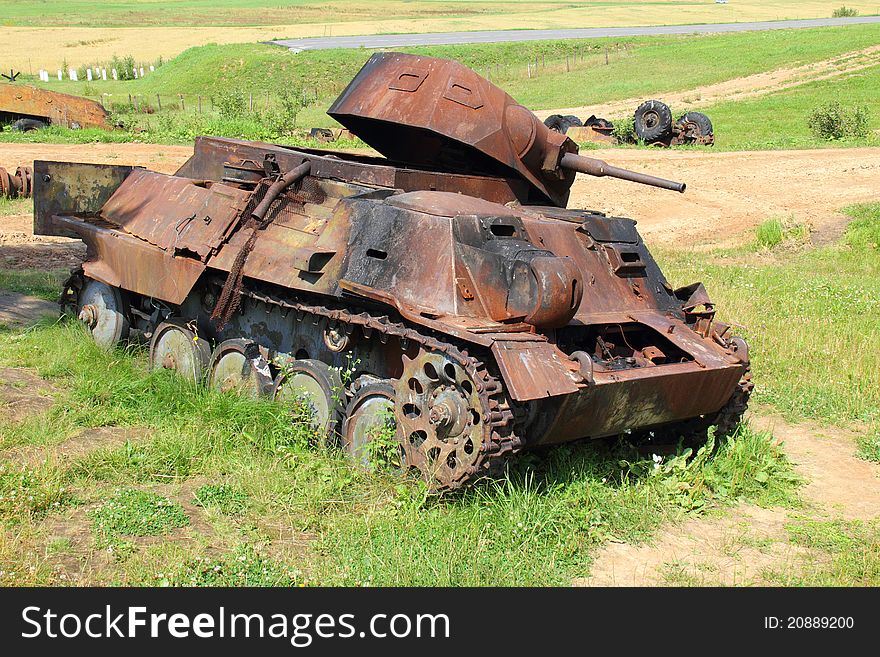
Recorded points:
194,217
58,109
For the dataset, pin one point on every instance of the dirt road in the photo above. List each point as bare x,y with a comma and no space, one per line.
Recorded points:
728,193
744,88
744,545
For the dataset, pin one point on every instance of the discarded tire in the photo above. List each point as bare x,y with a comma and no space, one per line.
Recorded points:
653,121
696,126
561,123
26,125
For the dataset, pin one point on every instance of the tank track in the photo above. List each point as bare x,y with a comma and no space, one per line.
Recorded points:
500,441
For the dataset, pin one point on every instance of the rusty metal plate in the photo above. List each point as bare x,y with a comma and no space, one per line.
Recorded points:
533,370
71,187
126,262
60,109
176,214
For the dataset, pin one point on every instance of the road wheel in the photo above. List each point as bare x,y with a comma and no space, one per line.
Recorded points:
696,127
177,347
368,418
237,365
318,387
653,121
102,309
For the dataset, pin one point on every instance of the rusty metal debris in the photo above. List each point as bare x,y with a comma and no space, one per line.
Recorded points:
33,106
17,185
473,314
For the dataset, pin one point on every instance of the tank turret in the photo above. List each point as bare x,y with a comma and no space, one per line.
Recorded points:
431,112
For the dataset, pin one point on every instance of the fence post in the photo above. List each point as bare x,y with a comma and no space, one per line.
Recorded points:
182,103
606,55
137,105
158,103
567,69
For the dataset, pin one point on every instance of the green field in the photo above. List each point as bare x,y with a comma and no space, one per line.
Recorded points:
291,12
256,76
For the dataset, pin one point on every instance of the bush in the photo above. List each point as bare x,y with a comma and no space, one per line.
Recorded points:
230,104
625,130
834,121
844,12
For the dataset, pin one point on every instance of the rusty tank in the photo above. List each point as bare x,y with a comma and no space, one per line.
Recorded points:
442,293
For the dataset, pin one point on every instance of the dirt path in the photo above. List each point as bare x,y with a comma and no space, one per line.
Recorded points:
730,193
162,158
737,548
744,88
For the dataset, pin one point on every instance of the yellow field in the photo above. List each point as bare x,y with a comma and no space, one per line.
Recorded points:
32,48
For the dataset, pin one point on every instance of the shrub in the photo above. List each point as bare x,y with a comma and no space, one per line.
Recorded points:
230,104
834,121
844,12
625,130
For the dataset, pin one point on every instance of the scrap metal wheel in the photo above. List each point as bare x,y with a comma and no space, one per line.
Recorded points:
319,387
102,309
441,420
368,417
175,346
238,365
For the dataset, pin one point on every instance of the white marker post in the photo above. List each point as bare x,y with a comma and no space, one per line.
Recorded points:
59,75
103,73
72,74
115,74
89,74
142,71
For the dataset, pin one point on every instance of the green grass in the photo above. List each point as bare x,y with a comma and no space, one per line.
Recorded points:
841,553
222,497
245,566
811,316
539,525
639,67
780,120
130,513
774,231
42,284
10,206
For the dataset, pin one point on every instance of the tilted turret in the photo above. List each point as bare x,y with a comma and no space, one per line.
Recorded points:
437,113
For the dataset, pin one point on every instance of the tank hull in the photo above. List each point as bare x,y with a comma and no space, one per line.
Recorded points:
440,302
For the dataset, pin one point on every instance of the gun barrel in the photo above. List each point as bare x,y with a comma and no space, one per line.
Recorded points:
599,168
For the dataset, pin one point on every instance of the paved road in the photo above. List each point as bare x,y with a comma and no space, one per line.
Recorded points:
440,38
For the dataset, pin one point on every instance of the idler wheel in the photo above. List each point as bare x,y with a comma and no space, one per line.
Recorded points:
370,418
237,365
175,346
440,417
318,387
102,309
